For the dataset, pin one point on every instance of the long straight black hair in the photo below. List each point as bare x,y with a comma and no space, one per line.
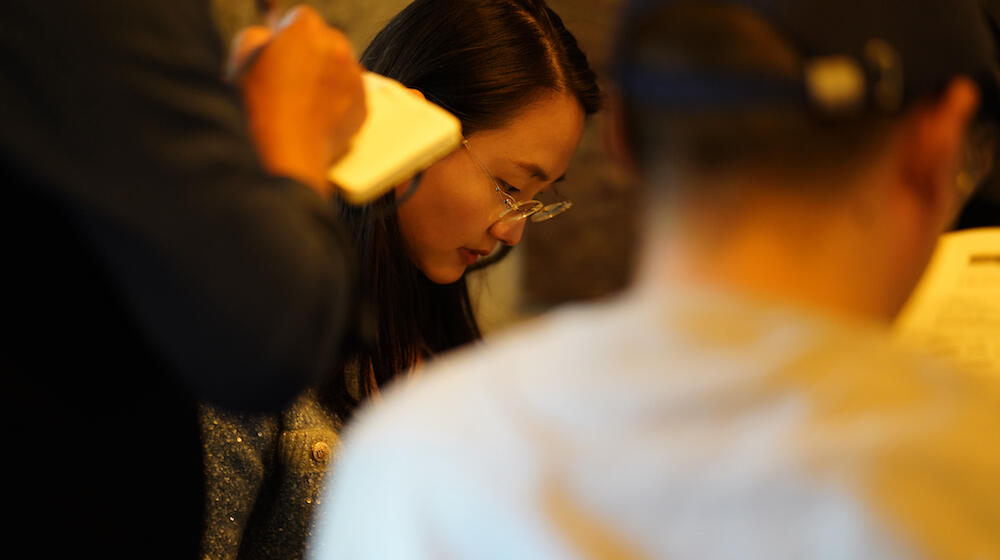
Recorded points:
482,60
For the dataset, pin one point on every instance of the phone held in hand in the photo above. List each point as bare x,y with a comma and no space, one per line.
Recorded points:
402,135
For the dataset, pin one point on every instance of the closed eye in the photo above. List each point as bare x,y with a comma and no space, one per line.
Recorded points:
508,187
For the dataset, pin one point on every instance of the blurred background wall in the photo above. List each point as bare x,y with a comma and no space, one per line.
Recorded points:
586,253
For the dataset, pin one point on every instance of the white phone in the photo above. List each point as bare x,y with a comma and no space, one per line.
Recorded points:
402,135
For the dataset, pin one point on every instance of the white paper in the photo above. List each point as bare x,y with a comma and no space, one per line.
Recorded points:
956,306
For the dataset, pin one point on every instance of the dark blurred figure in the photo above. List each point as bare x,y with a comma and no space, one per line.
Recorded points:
747,398
152,256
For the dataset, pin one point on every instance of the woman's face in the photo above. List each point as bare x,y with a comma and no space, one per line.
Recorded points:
450,221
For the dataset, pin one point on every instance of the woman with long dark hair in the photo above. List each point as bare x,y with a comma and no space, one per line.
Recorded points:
521,87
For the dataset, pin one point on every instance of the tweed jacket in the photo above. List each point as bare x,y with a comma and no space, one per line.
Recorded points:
264,478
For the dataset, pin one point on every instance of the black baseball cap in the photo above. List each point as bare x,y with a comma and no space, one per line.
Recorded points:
898,50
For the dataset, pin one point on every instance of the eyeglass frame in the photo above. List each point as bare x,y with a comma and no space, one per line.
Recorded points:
535,208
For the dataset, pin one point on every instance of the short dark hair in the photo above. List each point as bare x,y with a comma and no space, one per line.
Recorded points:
715,39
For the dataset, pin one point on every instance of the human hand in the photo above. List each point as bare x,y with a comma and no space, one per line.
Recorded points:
303,93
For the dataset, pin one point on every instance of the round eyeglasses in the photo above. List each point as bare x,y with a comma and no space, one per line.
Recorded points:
515,210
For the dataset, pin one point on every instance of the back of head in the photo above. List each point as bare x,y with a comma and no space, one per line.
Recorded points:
789,86
811,150
483,60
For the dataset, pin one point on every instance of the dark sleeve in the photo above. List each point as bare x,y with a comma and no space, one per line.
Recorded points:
117,108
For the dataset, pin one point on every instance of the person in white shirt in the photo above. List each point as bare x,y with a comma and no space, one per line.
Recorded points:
745,398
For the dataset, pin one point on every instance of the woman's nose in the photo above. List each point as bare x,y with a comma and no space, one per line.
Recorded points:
508,233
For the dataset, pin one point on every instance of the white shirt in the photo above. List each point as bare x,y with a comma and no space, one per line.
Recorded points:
674,424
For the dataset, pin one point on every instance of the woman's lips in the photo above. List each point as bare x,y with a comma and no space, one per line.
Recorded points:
470,256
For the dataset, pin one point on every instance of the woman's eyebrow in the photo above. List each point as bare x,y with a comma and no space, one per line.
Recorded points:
536,172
